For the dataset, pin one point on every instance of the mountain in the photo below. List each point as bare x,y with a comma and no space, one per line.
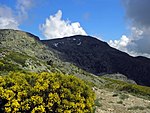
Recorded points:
99,58
24,56
23,51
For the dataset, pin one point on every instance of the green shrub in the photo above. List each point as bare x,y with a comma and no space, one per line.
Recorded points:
136,108
6,66
97,103
120,102
18,57
148,107
115,95
123,96
44,92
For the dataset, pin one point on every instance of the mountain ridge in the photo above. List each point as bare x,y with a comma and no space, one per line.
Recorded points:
86,52
99,58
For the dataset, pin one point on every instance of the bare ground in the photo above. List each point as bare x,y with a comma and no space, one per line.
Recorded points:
115,102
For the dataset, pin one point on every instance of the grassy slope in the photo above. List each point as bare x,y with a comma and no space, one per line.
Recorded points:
117,85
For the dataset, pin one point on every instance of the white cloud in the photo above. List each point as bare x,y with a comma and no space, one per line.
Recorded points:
55,27
22,8
8,23
121,43
5,11
7,18
12,18
137,44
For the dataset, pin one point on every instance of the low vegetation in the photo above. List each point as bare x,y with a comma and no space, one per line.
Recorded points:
44,92
6,66
120,102
97,103
136,108
137,90
17,57
123,96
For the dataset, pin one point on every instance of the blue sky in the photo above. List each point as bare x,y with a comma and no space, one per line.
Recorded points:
101,18
124,24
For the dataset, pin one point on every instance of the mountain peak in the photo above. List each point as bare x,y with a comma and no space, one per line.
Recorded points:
99,58
78,41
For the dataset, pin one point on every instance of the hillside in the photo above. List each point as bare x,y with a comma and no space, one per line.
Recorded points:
24,57
99,58
23,51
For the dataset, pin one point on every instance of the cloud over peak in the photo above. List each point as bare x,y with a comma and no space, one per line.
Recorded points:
55,27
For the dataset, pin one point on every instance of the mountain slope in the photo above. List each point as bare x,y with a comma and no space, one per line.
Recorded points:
24,52
98,57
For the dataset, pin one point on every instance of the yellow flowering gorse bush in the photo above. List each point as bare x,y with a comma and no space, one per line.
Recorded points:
44,93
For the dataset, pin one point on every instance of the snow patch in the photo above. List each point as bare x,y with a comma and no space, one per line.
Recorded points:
79,43
56,44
